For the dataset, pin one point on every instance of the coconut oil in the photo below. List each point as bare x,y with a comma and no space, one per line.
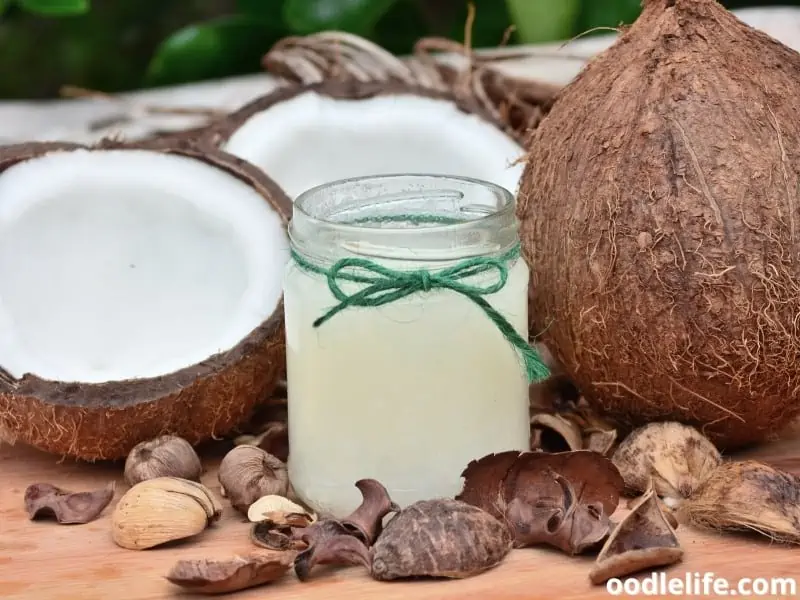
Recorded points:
410,391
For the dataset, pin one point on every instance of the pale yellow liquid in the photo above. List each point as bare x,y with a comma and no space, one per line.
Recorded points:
406,393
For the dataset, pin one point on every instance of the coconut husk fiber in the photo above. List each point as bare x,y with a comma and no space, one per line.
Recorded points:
661,219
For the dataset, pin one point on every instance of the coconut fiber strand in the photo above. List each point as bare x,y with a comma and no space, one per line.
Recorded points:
659,211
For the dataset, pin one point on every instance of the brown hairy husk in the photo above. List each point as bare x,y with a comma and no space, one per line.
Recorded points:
660,216
748,496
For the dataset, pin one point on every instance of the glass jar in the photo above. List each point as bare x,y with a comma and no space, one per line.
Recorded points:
402,384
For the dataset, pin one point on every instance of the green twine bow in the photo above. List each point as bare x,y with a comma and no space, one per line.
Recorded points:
384,286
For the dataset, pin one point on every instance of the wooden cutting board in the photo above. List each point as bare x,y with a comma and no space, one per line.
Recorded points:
42,560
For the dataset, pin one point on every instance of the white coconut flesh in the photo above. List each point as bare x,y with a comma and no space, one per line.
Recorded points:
313,139
129,264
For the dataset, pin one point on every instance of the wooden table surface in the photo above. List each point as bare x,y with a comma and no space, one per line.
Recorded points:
42,560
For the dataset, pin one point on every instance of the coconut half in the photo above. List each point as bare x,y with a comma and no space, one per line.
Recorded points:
304,136
140,294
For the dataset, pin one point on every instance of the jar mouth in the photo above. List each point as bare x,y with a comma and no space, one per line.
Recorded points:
427,217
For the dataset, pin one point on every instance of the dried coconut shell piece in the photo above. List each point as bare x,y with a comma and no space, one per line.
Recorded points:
329,543
748,496
668,512
555,433
677,457
439,538
557,517
206,576
644,539
276,536
564,500
366,521
570,431
68,508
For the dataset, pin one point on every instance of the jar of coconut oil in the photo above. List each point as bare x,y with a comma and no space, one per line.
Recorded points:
406,325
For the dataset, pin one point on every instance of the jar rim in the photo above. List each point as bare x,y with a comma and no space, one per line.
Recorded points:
466,217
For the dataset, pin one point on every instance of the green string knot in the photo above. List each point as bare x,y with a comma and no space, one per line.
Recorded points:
384,286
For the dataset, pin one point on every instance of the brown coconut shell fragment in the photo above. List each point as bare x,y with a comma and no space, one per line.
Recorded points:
345,542
748,496
366,521
564,500
74,508
556,517
276,536
562,432
645,539
331,545
484,482
595,477
440,539
555,433
206,576
668,164
199,402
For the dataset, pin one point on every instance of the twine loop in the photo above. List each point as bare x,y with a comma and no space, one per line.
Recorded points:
381,285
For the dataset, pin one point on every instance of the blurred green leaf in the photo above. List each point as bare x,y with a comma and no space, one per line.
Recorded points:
492,19
220,47
610,13
269,11
400,27
354,16
544,20
4,5
53,8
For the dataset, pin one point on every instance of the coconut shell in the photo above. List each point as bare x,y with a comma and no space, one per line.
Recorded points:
661,219
199,402
219,132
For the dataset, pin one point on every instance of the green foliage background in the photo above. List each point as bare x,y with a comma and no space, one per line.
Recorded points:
116,45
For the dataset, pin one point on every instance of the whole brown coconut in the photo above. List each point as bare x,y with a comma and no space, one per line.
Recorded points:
661,219
61,318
